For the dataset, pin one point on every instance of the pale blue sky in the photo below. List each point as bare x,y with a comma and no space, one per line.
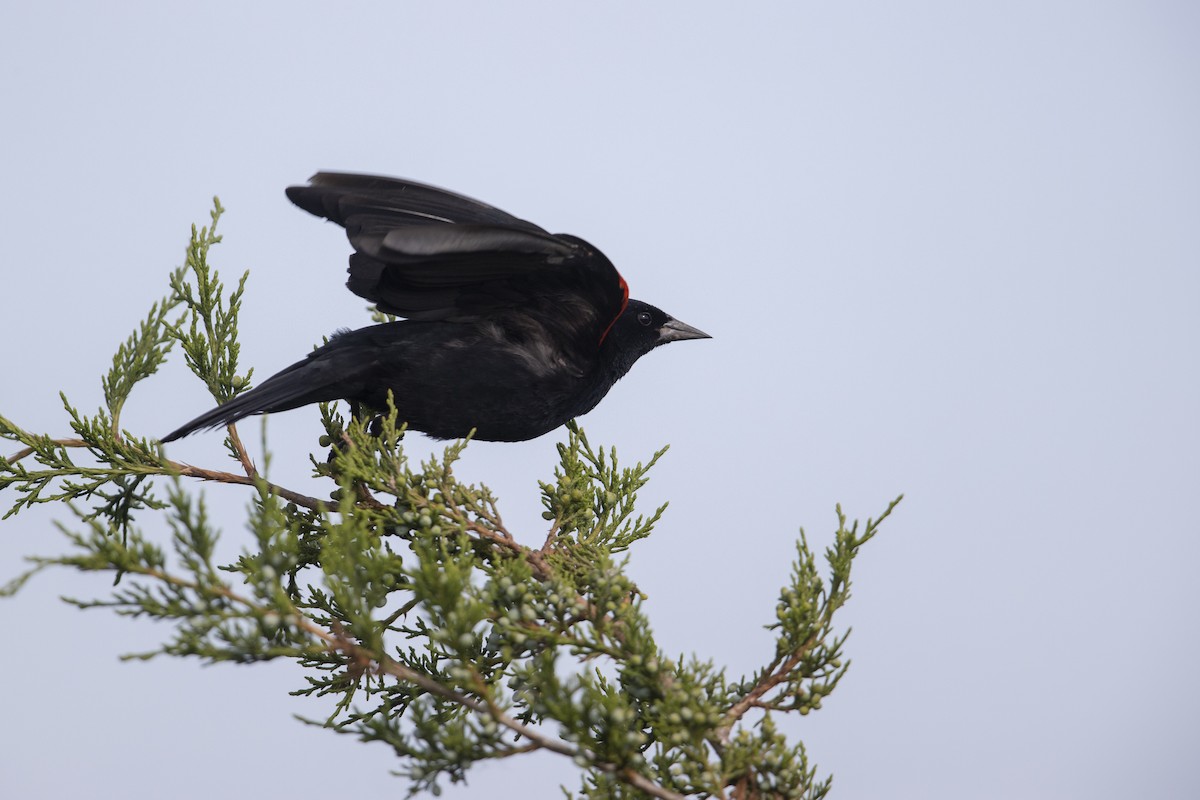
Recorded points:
946,249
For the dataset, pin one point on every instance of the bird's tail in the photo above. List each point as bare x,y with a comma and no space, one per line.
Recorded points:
292,388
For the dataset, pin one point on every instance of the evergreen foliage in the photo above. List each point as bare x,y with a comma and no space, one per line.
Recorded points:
408,600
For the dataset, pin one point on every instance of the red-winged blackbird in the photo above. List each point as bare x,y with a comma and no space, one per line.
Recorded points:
510,330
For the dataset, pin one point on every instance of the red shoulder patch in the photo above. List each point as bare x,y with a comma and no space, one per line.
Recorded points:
620,311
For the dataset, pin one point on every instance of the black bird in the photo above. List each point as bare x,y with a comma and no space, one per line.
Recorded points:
509,330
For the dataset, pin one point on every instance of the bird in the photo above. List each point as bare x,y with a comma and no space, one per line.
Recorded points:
506,333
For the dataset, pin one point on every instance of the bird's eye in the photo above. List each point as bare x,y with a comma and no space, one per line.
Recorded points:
644,317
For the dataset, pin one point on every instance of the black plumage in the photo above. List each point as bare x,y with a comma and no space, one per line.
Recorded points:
510,331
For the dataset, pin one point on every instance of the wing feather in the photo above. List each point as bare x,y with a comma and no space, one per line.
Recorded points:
427,253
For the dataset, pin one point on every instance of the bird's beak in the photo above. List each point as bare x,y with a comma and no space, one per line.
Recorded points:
675,331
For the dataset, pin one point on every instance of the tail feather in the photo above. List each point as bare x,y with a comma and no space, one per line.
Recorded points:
289,389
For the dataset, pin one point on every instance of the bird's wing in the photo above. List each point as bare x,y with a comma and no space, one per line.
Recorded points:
427,253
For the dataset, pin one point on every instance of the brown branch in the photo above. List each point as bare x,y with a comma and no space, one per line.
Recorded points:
515,751
366,499
400,612
550,537
492,515
541,570
768,682
189,471
17,456
243,456
776,673
495,533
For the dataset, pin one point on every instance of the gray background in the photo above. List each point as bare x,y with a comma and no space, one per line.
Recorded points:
947,249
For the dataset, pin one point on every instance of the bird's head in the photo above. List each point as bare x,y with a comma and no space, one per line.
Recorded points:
641,328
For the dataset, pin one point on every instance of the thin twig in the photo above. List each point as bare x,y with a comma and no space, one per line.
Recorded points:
17,456
243,456
550,537
400,612
772,677
189,471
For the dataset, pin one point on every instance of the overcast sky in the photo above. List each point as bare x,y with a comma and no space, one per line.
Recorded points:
947,249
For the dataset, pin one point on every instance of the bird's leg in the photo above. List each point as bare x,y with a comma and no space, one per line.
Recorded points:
372,419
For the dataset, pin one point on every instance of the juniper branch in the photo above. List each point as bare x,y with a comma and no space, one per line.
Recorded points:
414,607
